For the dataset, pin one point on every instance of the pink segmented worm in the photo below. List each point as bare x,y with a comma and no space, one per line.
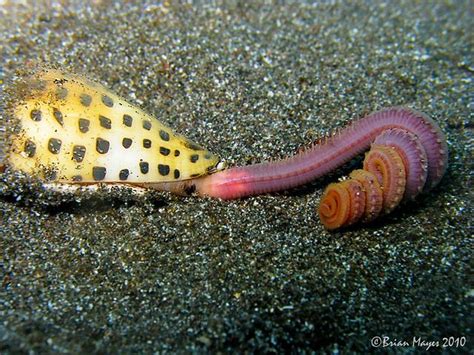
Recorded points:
335,151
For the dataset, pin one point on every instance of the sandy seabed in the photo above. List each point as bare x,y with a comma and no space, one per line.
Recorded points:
113,272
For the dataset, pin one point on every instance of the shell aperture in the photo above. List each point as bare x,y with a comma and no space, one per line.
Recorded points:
71,130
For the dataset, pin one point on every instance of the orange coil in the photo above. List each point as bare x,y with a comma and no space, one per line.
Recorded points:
379,187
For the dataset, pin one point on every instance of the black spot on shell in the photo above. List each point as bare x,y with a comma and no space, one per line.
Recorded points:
54,145
164,135
105,122
61,93
163,169
77,178
84,125
78,153
107,101
35,115
123,175
126,142
164,151
98,173
177,153
147,125
146,143
144,167
30,148
176,173
192,145
58,116
194,158
127,120
102,146
85,100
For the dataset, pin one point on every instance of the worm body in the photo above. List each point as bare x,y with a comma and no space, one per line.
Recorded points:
334,152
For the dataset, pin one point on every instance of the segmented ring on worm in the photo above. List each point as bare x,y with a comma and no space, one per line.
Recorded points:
372,193
381,186
413,156
395,169
387,165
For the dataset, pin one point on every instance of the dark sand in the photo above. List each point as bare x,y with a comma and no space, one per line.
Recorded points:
118,273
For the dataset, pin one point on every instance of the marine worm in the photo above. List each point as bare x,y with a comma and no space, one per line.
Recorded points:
333,152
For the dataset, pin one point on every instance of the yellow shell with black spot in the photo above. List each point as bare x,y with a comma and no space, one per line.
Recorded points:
72,130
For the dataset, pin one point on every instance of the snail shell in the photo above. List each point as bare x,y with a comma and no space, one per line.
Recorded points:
71,130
